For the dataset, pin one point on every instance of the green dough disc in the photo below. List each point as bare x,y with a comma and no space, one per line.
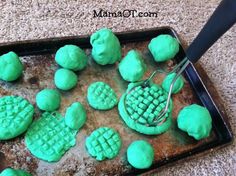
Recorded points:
48,99
16,114
103,143
106,47
132,67
75,116
10,66
71,57
140,154
65,79
49,137
14,172
195,120
164,47
138,107
179,83
101,96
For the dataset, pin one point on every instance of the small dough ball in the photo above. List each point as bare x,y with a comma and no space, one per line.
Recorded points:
132,67
164,47
195,120
65,79
10,66
71,57
106,47
140,154
48,100
178,85
75,116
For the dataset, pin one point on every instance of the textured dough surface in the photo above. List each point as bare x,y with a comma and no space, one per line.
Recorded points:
14,172
65,79
71,57
143,105
48,138
48,99
103,143
75,116
132,67
178,85
106,47
16,114
195,120
101,96
140,154
10,66
163,47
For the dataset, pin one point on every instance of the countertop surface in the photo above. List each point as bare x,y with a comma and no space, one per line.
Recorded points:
34,19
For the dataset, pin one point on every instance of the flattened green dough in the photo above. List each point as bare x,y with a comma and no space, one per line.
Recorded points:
10,66
48,138
14,172
140,154
195,120
16,114
48,99
103,143
71,57
75,116
143,105
101,96
65,79
106,47
163,47
179,83
132,67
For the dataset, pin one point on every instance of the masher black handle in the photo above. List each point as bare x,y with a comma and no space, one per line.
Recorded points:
221,20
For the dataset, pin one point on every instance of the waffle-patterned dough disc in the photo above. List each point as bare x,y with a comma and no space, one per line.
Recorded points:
103,143
101,96
139,107
16,114
49,138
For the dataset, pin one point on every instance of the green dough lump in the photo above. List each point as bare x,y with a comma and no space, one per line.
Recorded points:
48,99
101,96
195,120
16,114
14,172
71,57
164,47
132,67
48,138
65,79
138,107
103,143
179,83
10,66
106,47
140,154
75,116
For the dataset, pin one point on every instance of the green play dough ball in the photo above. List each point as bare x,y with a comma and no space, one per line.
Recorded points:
140,154
132,67
101,96
65,79
75,116
179,83
11,67
164,47
14,172
195,120
48,99
106,47
16,114
71,57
